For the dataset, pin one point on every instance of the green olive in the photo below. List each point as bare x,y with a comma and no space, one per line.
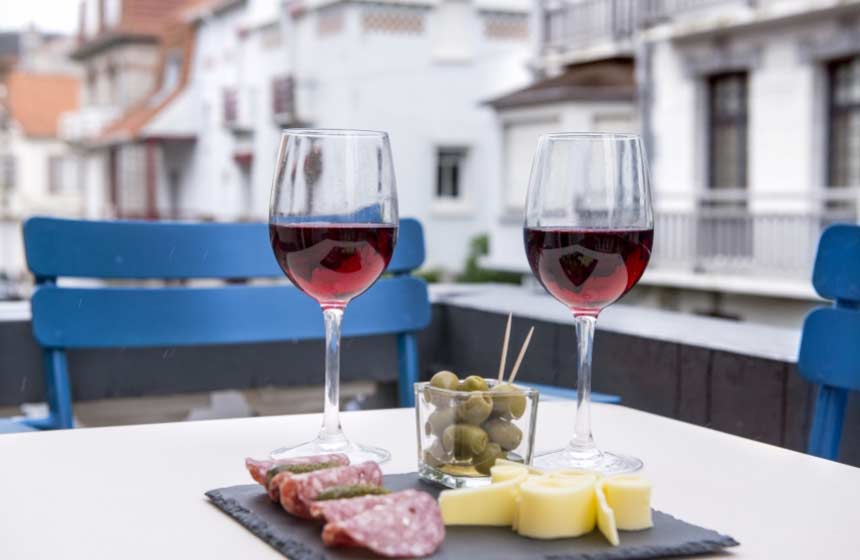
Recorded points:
487,459
440,419
474,383
445,380
435,455
506,434
464,440
441,380
512,402
475,409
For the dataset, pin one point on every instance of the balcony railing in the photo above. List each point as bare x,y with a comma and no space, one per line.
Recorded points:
586,23
86,123
579,24
655,11
766,235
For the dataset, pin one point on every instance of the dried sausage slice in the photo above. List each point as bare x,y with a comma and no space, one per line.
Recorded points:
405,524
298,491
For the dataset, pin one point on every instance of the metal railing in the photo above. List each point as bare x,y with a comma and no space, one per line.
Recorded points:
589,22
655,11
577,24
86,123
740,232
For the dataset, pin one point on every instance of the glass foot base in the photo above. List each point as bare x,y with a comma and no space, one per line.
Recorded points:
357,453
602,462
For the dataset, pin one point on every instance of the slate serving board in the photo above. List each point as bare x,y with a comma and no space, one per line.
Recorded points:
300,539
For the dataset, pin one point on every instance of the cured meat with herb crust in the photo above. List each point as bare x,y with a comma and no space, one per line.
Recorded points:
271,474
297,492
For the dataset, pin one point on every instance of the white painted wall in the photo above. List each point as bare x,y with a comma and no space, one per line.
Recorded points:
213,183
786,112
30,193
425,89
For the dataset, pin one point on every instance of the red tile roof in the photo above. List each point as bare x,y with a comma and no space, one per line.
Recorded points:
143,20
35,101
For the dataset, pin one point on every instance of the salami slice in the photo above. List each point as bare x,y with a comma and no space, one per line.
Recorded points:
259,469
339,510
404,524
298,491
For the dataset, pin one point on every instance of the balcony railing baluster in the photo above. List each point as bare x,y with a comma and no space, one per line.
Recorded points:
735,231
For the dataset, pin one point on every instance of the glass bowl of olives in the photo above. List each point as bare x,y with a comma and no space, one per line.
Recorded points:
465,425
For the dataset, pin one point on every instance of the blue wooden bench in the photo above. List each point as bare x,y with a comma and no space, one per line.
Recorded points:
830,345
113,316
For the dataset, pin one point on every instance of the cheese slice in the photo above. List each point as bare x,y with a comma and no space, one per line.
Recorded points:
552,508
507,471
532,470
605,516
572,474
629,496
495,504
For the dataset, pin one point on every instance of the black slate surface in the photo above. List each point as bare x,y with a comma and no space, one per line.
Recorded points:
299,539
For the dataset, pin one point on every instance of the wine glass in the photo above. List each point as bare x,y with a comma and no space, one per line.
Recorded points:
333,225
588,232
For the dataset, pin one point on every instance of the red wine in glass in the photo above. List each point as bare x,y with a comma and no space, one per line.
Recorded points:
330,262
588,269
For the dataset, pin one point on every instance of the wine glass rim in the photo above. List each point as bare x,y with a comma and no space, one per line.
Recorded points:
591,136
333,132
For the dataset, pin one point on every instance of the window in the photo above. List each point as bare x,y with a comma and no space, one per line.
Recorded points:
7,172
62,175
449,172
727,131
282,96
55,174
231,106
844,113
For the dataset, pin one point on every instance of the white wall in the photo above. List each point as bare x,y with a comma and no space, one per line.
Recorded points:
426,89
786,128
30,194
212,187
785,105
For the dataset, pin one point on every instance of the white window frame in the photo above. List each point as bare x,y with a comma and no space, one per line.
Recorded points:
451,206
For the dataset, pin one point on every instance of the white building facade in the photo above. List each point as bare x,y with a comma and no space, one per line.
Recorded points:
418,70
231,75
751,119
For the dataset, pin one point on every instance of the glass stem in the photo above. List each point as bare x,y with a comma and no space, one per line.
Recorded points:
583,442
331,415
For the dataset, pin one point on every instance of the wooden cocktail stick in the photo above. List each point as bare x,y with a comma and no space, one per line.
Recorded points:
505,348
520,357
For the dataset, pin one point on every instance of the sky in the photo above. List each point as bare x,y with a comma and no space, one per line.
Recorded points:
48,15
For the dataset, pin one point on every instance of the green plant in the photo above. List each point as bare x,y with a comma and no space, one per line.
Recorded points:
430,275
473,273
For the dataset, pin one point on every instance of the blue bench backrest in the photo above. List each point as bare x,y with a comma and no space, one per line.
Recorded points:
103,317
830,346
